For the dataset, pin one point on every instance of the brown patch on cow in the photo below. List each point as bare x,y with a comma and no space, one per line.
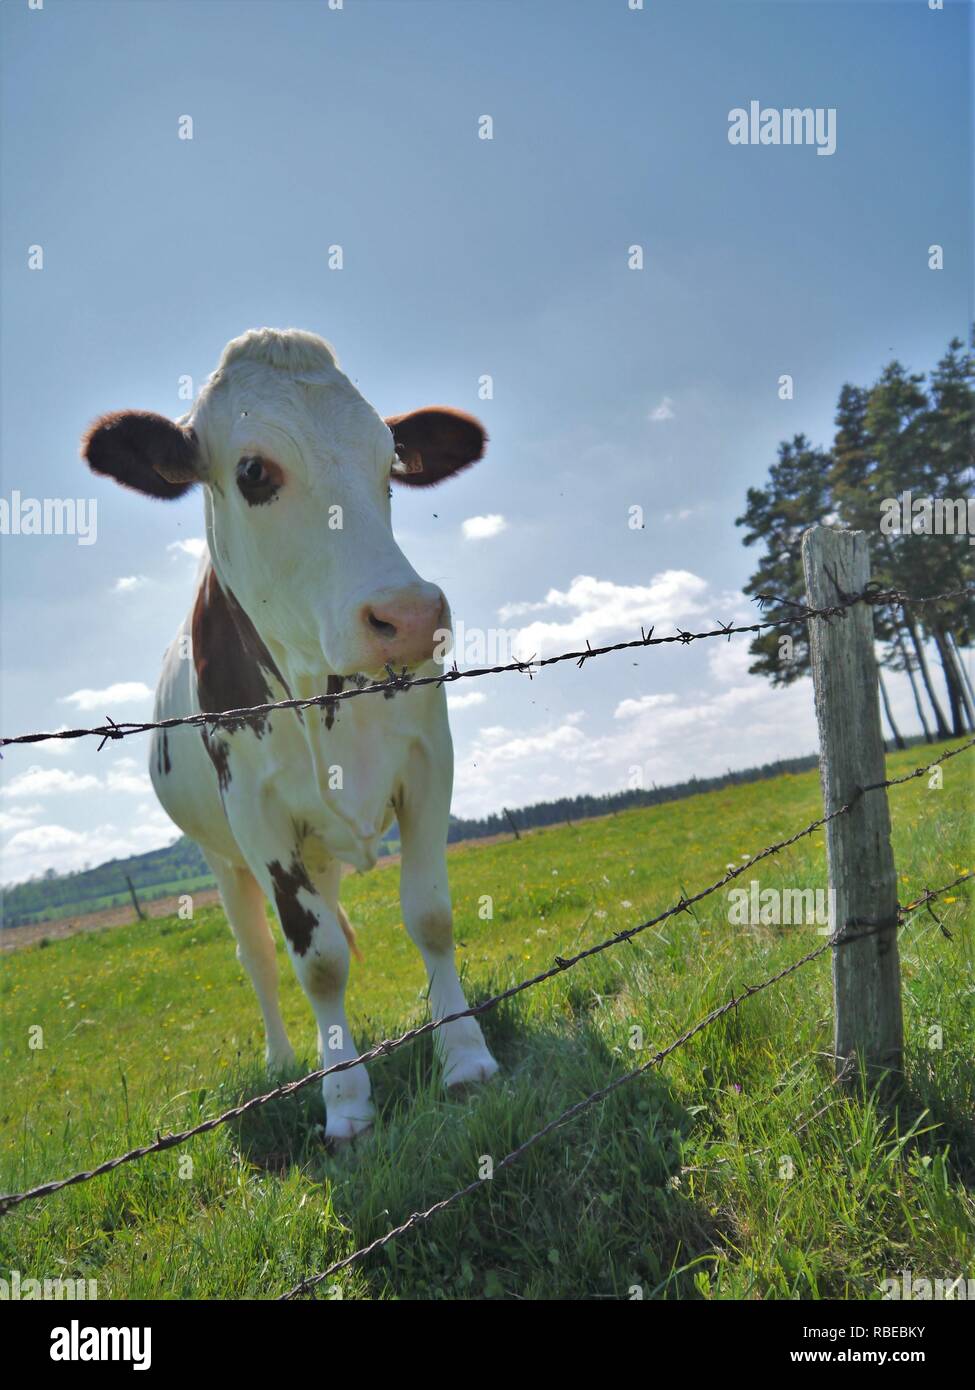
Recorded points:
434,930
297,922
232,663
232,667
219,752
333,686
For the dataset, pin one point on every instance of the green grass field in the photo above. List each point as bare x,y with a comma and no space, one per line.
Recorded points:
735,1171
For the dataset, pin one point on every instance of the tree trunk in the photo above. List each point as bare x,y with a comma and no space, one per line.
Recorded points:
905,657
959,715
964,691
922,666
898,740
966,681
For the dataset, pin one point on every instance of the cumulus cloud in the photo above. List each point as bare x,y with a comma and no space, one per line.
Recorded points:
129,583
482,528
57,747
664,411
194,546
599,609
18,818
467,700
127,775
33,850
47,781
121,693
630,709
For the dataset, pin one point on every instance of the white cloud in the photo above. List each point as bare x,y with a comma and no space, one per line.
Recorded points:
194,546
18,818
129,583
482,528
502,767
467,700
629,709
599,609
121,693
48,781
127,775
57,846
57,747
664,411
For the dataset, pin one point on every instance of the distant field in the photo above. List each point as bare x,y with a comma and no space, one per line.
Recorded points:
82,907
736,1171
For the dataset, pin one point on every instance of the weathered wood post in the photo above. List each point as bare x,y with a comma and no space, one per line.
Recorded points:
135,900
868,1027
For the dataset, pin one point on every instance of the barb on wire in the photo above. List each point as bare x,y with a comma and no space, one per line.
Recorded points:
841,938
388,1045
113,730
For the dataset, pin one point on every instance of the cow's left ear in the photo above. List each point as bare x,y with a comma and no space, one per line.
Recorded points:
433,443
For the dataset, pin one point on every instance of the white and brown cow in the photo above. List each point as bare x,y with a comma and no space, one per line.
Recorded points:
304,591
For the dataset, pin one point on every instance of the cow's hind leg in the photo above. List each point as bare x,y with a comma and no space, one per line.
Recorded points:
245,906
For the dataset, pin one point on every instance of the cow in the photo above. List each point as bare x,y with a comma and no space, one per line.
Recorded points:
305,592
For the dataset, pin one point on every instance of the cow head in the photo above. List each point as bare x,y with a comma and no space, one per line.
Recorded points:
297,470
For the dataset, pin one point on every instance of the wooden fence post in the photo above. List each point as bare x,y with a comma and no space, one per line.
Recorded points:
868,1027
135,900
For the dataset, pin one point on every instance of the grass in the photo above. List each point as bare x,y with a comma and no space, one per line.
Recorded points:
736,1171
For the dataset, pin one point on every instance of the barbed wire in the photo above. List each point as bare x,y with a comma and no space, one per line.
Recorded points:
113,730
388,1045
841,938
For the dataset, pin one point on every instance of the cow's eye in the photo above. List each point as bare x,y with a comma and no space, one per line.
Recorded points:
258,480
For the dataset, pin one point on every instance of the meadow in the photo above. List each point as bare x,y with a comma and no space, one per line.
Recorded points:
736,1170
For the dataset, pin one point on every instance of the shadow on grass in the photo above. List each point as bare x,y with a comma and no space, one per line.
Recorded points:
593,1210
945,1090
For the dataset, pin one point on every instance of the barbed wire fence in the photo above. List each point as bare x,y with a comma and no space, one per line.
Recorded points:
850,932
114,730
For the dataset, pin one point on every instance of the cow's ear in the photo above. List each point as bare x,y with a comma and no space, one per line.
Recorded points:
433,443
143,451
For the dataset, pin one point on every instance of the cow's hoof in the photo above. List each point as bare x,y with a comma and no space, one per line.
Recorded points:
340,1136
280,1063
469,1069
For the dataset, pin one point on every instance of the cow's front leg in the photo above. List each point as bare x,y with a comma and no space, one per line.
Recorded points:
319,952
275,852
427,915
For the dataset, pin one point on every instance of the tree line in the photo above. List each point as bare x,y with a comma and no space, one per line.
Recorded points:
900,468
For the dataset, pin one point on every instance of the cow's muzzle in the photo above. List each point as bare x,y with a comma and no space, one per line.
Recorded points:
403,626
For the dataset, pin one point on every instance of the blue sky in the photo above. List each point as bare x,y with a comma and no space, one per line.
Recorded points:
462,257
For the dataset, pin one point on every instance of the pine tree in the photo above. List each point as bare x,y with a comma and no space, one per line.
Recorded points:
797,496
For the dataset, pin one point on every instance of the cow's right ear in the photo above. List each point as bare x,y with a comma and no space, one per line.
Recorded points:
143,451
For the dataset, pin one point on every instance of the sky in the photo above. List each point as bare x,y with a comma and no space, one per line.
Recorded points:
462,258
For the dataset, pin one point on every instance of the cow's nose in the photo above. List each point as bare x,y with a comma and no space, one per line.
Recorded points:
403,623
